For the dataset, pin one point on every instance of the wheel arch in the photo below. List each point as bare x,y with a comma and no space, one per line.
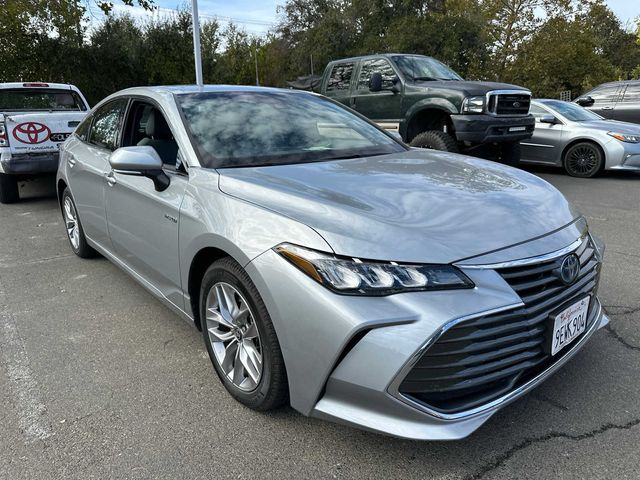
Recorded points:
429,116
593,141
60,186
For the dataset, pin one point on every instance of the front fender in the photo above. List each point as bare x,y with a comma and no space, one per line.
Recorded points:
427,103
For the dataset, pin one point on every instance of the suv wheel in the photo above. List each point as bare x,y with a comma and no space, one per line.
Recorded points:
72,224
8,188
436,140
240,337
583,160
509,153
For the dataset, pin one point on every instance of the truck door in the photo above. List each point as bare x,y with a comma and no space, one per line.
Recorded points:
628,109
383,107
605,99
338,83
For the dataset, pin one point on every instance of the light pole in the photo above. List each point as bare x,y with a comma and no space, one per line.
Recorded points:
196,42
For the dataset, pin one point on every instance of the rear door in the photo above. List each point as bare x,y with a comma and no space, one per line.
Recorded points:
605,99
383,107
338,83
143,223
628,109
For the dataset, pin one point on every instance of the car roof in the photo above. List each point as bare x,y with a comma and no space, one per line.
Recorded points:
14,85
181,89
617,82
376,55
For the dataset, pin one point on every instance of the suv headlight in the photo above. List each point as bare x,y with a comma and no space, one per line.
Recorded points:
623,137
362,277
473,105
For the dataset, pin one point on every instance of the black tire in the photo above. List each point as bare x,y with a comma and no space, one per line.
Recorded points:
583,160
509,153
80,247
435,140
272,389
9,188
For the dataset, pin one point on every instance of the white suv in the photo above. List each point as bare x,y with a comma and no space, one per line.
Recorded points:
35,119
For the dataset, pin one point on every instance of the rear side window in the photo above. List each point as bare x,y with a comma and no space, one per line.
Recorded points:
372,66
607,93
82,130
107,121
340,77
632,94
30,99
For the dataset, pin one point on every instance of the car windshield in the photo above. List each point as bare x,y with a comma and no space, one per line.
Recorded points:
240,129
29,99
424,68
571,111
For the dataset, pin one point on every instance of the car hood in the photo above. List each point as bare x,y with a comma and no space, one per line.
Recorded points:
415,206
613,126
469,88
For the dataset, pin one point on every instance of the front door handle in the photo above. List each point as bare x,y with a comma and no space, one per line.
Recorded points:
111,178
607,108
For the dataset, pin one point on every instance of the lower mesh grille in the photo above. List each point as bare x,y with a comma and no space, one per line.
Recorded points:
481,359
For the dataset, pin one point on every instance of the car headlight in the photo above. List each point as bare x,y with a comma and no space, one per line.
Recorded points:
623,137
362,277
473,105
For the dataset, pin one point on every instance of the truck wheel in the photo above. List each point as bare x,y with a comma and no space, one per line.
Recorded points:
436,140
8,188
584,160
509,153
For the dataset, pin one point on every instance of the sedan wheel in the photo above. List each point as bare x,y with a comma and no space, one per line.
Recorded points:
75,234
240,337
583,160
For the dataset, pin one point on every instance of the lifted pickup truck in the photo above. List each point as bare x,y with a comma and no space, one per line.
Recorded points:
431,106
35,118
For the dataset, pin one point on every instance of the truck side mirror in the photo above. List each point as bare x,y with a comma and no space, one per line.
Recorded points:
375,82
585,101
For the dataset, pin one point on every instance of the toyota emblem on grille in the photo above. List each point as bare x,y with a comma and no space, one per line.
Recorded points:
570,269
516,104
31,133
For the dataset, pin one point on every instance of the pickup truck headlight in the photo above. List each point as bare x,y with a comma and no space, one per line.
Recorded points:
353,276
623,137
473,105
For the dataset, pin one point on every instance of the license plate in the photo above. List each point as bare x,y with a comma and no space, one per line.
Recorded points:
569,324
517,129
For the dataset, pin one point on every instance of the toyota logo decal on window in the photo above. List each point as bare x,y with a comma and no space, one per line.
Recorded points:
31,133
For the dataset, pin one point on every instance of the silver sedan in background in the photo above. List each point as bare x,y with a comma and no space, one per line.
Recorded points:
584,143
329,266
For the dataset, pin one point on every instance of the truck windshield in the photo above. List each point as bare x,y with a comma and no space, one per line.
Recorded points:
249,128
33,99
420,68
571,111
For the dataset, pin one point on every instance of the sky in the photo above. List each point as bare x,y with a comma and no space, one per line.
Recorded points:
258,16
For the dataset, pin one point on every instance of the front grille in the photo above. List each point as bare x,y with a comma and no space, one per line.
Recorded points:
509,103
479,360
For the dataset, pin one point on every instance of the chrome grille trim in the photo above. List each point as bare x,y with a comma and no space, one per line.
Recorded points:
493,98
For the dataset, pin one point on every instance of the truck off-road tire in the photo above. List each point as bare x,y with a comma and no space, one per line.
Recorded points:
435,140
584,160
240,337
8,188
75,233
508,153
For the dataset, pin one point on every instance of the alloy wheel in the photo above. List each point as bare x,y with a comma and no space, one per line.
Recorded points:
234,336
71,222
583,160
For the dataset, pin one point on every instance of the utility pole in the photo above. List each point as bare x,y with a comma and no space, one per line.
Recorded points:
196,42
311,62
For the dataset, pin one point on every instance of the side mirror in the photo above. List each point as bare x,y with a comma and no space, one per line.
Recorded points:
142,161
585,101
375,82
548,119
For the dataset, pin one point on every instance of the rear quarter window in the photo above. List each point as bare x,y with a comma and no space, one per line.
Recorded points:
340,77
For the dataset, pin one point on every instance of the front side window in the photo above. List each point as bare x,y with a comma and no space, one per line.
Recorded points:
418,68
237,129
340,78
106,124
632,94
537,111
371,66
607,93
33,99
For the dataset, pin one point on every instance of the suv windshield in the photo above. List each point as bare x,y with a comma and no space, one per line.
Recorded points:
571,111
424,68
240,129
29,99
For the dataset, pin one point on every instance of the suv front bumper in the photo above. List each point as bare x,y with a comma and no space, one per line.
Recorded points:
29,163
478,129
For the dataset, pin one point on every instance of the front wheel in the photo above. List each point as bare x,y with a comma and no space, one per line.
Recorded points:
584,160
8,188
240,337
435,140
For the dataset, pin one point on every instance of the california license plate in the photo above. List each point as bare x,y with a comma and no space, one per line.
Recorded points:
569,324
517,129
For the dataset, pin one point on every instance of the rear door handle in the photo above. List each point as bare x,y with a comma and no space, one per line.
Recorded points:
111,178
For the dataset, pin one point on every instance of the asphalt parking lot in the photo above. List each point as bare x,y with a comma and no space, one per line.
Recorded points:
99,380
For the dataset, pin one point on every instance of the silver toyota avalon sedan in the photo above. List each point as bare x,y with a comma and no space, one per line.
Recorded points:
584,143
328,266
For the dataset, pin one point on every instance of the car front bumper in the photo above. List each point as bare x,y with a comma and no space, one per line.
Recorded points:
478,129
346,355
623,156
29,163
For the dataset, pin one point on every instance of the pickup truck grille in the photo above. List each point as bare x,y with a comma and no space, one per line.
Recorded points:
509,103
482,359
